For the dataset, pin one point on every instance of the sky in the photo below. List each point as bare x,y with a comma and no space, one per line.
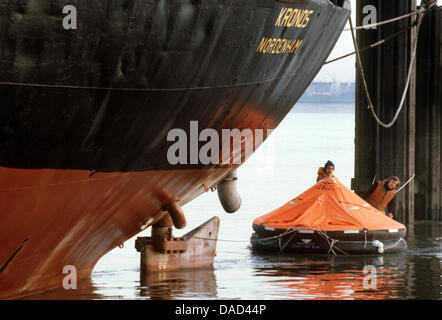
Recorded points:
343,70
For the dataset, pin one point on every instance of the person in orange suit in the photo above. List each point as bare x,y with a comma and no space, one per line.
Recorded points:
382,195
326,171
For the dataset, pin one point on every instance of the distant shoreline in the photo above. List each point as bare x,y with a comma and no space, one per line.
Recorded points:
329,92
305,101
330,107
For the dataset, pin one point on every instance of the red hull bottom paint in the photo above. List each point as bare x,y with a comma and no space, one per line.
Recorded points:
74,217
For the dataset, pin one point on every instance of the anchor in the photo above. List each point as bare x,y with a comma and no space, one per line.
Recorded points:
197,249
163,252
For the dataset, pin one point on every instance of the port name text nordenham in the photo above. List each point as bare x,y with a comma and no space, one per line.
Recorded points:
278,46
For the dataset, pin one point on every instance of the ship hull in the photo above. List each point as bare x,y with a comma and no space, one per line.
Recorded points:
86,114
70,218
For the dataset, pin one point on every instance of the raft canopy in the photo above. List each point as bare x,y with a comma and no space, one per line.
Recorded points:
328,206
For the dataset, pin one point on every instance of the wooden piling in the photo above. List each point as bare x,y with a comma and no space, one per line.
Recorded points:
429,120
383,152
413,143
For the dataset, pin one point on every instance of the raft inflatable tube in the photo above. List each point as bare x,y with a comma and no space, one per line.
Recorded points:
336,242
328,218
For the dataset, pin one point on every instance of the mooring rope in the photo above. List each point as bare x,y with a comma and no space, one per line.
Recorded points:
413,13
373,45
330,241
421,13
287,232
221,240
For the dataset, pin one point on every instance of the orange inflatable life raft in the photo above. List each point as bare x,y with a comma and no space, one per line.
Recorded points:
328,218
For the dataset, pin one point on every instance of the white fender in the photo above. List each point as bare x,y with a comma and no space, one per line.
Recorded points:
228,195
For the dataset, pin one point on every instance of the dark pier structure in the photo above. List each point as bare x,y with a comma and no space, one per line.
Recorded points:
413,145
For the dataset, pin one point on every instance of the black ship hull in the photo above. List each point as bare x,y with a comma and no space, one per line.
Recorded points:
104,96
85,113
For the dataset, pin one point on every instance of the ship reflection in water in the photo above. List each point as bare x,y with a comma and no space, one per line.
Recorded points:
172,284
187,284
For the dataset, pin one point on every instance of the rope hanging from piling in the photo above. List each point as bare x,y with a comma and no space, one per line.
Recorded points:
407,85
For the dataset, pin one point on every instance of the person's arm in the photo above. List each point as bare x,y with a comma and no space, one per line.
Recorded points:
372,189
